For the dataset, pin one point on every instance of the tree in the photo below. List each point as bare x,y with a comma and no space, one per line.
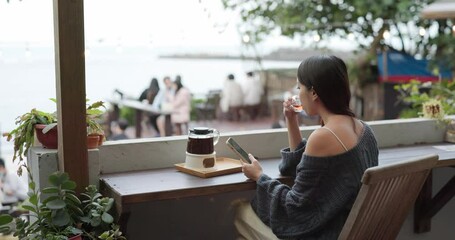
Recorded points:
367,22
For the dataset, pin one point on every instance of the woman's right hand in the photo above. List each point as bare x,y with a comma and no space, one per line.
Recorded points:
288,109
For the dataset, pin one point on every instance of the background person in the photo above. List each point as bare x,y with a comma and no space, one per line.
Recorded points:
12,188
252,92
118,130
231,98
163,101
149,95
328,167
181,107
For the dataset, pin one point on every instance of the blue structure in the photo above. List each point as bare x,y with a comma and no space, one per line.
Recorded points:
402,68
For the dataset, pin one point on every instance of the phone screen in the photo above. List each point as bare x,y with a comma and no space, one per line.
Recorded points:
237,149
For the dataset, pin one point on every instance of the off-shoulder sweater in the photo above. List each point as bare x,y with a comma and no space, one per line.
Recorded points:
324,190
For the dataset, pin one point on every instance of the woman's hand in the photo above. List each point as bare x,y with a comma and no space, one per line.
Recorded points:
288,109
252,171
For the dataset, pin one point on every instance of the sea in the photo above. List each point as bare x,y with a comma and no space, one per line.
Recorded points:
27,76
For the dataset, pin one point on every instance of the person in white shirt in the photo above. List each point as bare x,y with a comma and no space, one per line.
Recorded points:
231,98
253,91
12,188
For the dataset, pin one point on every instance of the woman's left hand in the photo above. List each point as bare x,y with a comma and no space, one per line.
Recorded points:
252,171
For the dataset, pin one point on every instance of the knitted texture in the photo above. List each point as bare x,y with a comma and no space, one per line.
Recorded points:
324,190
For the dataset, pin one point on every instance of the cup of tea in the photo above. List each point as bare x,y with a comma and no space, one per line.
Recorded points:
296,103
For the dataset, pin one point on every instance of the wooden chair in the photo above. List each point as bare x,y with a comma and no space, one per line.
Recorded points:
207,110
387,194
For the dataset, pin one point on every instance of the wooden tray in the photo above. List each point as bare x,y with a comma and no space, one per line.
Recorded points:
223,166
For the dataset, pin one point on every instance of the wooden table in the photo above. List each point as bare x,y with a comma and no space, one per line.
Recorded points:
140,107
168,183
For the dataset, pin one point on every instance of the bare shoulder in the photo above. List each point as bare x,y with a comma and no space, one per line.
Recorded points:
319,143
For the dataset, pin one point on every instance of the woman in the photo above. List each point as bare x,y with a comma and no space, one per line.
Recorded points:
181,106
149,94
328,167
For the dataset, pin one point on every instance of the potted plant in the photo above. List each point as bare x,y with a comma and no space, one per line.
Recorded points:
57,213
431,100
95,131
42,123
45,126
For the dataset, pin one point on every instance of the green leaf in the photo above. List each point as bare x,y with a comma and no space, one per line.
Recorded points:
33,200
50,190
31,185
95,221
73,198
58,178
29,208
109,204
107,218
70,185
5,229
61,218
56,204
5,219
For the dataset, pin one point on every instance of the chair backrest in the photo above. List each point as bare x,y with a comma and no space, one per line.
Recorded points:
387,194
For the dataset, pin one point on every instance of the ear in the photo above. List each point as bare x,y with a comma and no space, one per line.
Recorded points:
314,95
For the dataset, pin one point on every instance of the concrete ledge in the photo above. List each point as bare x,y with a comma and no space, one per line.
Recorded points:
152,153
140,154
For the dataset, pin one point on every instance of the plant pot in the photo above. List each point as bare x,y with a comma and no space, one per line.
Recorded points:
92,141
49,139
77,237
100,138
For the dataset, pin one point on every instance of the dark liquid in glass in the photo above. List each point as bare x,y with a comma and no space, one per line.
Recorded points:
200,145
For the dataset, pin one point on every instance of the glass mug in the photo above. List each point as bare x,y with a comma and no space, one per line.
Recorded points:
201,140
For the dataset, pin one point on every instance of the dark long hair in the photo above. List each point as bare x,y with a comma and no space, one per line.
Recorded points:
153,90
178,83
328,77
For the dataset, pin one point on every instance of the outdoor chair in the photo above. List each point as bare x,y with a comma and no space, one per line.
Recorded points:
207,110
387,194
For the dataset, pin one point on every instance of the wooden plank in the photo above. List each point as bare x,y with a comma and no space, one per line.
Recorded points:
223,166
442,198
421,222
70,77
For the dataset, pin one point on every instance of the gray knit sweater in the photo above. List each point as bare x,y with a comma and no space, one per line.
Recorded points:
323,193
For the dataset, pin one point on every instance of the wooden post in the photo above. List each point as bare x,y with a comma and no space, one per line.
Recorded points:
70,81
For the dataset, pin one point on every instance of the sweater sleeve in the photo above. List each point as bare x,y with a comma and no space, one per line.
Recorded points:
290,160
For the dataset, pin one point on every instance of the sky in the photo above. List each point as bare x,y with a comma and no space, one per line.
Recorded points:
133,22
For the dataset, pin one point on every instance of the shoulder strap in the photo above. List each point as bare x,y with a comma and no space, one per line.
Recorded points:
328,129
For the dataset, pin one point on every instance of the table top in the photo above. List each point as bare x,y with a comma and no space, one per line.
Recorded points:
138,105
168,183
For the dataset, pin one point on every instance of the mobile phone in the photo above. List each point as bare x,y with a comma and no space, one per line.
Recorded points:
238,150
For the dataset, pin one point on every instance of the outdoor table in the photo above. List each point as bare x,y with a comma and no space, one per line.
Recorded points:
163,184
140,107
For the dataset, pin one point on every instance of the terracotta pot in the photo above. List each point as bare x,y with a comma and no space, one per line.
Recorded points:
100,138
48,140
92,141
77,237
